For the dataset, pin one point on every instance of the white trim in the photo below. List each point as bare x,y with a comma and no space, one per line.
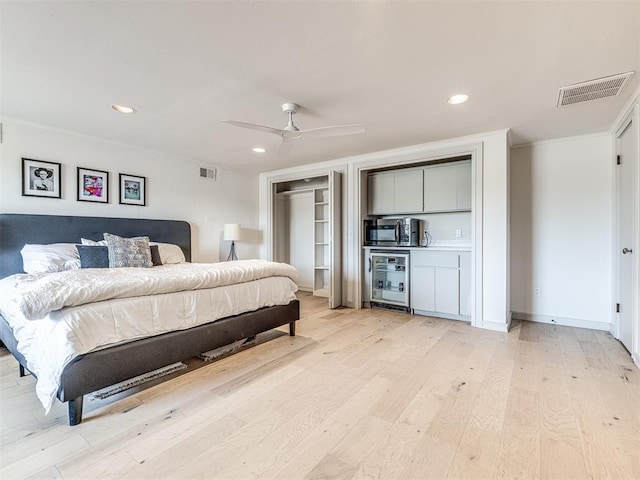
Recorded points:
625,112
567,322
562,139
495,326
631,113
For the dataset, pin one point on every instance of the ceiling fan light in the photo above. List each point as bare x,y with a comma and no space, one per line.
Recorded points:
259,149
456,99
123,108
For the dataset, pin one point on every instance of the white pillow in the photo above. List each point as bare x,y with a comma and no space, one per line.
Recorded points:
54,257
86,241
169,253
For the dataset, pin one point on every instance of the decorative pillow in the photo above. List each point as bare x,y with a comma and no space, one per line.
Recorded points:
97,256
54,257
86,241
155,255
93,256
169,253
128,252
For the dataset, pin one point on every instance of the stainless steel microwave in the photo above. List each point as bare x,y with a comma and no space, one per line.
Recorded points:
392,232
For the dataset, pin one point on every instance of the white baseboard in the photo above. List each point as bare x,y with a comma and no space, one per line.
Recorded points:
463,318
567,322
495,326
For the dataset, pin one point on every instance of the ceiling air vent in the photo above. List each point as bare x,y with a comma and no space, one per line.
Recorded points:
208,173
593,89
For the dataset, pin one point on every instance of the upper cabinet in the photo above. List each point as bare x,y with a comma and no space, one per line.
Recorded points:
447,187
395,192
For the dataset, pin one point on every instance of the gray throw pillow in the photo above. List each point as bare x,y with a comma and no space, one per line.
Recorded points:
128,252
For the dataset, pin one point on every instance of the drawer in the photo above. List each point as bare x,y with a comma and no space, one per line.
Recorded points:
435,259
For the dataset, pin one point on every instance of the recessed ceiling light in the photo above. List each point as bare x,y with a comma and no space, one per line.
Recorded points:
123,108
259,149
456,99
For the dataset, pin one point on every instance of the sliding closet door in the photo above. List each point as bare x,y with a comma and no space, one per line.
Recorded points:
335,238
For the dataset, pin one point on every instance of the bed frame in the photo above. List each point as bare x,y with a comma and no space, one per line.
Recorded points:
93,371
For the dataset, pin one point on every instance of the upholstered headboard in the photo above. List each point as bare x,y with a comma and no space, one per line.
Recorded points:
18,229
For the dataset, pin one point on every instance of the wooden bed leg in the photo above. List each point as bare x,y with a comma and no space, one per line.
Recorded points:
22,371
292,329
75,411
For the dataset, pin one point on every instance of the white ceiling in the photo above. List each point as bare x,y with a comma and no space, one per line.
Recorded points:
185,66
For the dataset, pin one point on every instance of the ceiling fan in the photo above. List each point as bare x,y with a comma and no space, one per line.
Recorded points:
291,132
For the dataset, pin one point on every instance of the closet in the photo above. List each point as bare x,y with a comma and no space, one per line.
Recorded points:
307,233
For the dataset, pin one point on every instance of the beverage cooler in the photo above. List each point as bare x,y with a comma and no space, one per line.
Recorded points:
390,279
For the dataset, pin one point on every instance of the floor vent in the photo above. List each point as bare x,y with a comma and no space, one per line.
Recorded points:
593,89
208,173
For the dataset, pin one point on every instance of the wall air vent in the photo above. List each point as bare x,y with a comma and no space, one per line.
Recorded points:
208,173
593,89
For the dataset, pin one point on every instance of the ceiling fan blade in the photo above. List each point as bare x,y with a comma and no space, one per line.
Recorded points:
335,131
253,126
285,147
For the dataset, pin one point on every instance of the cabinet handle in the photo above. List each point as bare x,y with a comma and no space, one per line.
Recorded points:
627,250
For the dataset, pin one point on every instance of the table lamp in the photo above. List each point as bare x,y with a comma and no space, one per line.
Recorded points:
232,232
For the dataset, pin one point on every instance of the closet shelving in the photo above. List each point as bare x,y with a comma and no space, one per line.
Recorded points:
321,263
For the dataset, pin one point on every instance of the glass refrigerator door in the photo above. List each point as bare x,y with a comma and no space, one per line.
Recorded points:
389,278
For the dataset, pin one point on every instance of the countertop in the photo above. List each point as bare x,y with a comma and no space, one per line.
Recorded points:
430,248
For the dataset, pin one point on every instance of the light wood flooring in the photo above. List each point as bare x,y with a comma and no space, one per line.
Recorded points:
356,394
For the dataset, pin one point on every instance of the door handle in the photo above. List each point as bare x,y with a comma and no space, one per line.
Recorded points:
369,264
627,250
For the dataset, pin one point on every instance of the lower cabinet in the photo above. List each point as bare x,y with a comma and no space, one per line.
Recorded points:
439,284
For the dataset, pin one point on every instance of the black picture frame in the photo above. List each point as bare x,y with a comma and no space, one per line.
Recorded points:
133,190
41,178
93,185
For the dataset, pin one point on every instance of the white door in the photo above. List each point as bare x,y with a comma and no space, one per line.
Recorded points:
335,239
625,254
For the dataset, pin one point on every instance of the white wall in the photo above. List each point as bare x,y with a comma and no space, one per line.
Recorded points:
561,230
174,189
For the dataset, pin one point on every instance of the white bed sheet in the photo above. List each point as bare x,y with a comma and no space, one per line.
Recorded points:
49,344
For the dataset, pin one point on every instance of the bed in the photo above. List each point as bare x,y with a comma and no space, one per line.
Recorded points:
109,365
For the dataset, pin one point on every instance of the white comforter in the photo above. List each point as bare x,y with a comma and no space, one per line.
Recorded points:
36,295
98,313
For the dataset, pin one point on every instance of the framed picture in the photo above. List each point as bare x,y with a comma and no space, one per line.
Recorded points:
93,185
40,178
132,190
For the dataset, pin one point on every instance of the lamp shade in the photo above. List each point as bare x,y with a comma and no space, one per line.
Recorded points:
232,231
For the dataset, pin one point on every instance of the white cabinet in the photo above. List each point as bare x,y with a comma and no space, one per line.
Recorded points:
395,192
447,187
465,283
380,187
422,287
407,194
438,281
